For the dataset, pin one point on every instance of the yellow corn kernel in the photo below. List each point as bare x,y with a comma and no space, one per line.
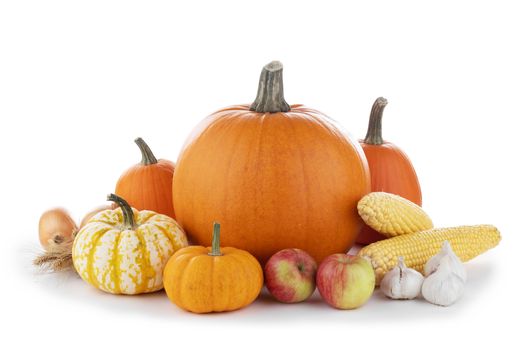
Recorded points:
417,248
392,215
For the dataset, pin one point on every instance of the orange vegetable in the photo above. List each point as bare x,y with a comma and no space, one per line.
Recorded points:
286,172
390,168
147,185
201,280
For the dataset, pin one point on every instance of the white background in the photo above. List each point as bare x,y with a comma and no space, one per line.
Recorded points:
80,80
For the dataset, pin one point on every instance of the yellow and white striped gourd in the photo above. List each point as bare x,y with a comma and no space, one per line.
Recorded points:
124,251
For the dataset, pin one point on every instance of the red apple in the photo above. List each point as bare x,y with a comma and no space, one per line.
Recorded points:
345,281
290,275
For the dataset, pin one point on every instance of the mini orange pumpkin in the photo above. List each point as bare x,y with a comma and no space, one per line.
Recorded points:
286,171
201,280
390,168
147,185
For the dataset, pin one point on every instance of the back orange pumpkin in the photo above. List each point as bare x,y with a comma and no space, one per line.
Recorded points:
390,168
147,185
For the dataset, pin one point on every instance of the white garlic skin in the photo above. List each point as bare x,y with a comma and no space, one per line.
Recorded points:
401,282
443,287
456,266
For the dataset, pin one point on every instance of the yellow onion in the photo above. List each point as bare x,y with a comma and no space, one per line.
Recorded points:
55,228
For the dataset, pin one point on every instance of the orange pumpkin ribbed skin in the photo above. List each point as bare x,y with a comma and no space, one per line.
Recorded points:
200,283
390,171
148,186
273,180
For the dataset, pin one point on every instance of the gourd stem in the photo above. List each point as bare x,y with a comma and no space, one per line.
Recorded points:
127,212
270,95
216,240
147,156
374,134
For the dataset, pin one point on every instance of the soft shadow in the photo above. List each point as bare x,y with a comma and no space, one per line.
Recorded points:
265,310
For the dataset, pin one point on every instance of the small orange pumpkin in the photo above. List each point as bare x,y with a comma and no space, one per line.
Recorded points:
390,168
147,185
202,280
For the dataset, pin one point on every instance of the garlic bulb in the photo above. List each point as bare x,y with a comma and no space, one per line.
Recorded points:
444,286
456,265
402,282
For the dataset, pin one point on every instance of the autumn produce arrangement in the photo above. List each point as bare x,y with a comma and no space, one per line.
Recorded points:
267,194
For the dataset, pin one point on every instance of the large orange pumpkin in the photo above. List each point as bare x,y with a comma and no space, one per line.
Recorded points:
275,176
390,168
147,185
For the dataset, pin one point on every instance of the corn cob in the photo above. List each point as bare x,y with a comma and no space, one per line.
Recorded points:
392,215
417,248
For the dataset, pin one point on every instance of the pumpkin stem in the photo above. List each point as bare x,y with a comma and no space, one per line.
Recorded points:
270,95
127,212
147,156
374,135
216,240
